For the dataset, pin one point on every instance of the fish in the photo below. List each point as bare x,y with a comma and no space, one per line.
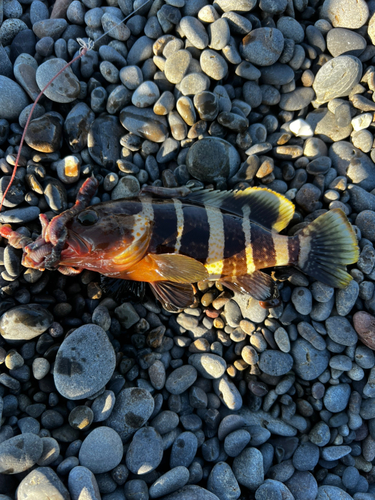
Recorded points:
173,238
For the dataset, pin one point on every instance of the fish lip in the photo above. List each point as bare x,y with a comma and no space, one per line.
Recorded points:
75,246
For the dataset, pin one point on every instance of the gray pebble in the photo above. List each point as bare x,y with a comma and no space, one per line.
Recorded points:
145,95
65,88
236,441
81,481
248,468
25,322
309,363
194,31
306,457
101,451
337,77
222,482
228,393
170,481
210,366
341,331
20,453
302,300
262,46
303,486
12,99
145,451
213,64
102,406
346,298
181,379
332,453
183,450
275,363
336,397
132,409
81,372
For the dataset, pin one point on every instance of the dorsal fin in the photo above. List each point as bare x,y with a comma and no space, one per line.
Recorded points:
268,208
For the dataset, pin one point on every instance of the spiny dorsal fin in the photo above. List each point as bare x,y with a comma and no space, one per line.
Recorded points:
268,208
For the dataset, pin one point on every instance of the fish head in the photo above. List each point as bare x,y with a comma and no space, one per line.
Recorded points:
97,237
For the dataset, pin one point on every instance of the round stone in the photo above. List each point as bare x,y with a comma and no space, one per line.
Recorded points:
12,99
337,77
262,46
337,397
132,409
194,31
350,14
101,451
84,363
248,468
144,123
65,88
145,451
25,322
211,158
275,363
309,362
181,379
297,99
210,366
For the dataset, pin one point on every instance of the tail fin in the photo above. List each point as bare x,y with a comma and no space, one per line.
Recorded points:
327,246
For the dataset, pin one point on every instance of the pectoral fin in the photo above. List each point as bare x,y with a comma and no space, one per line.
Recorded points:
168,267
259,285
173,296
121,289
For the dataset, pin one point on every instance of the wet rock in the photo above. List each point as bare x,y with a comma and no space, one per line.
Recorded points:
202,159
45,133
104,140
77,125
144,123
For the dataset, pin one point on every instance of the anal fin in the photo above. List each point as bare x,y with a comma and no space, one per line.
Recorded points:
258,284
173,296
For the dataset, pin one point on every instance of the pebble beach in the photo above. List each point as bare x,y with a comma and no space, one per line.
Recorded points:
104,399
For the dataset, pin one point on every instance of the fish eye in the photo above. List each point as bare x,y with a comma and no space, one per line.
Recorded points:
88,217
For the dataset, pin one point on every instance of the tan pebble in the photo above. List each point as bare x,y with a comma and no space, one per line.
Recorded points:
364,325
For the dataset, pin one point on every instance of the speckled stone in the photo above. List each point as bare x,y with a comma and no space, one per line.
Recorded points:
132,409
84,363
352,14
65,88
145,451
24,322
262,46
337,77
20,453
101,450
42,483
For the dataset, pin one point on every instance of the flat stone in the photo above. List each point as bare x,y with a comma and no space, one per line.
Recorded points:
350,161
50,27
341,331
337,77
297,99
213,64
177,65
341,41
194,31
84,363
275,363
324,124
42,483
309,362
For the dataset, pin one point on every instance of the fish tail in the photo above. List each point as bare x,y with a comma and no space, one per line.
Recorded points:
326,247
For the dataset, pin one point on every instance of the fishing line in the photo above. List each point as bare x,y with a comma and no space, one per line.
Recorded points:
85,46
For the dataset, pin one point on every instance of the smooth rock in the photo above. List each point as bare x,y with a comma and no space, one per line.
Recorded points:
262,46
84,363
309,362
24,322
20,453
65,88
101,450
202,159
144,123
132,409
145,451
12,99
42,483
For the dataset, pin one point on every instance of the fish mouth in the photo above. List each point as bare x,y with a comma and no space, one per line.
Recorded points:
74,247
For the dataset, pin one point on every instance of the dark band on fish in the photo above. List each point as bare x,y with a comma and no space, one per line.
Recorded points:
195,234
293,249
